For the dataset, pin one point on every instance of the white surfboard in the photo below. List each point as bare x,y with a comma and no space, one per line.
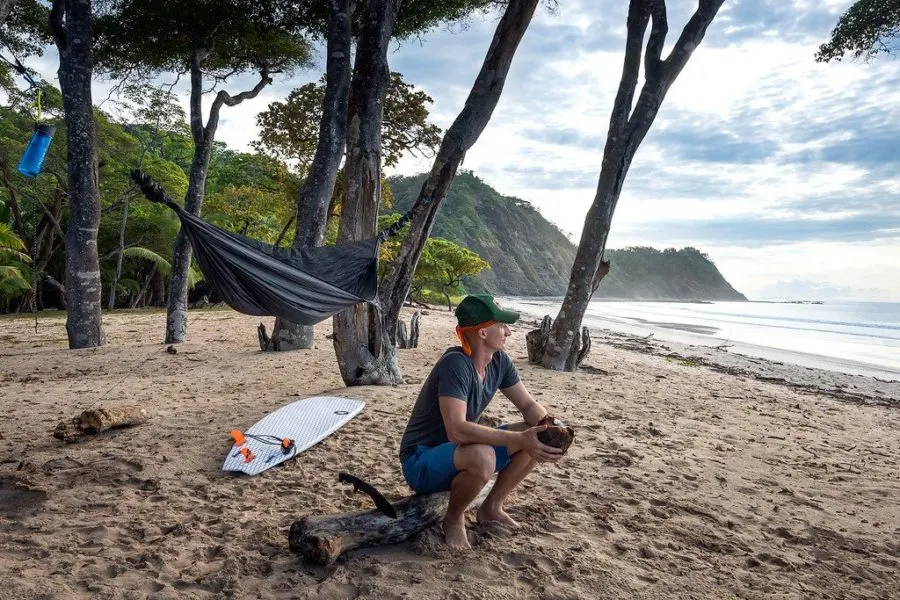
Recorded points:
305,422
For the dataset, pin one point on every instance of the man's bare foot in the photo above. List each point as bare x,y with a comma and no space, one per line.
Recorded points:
489,513
455,534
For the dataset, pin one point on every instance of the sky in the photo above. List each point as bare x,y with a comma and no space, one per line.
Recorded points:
786,172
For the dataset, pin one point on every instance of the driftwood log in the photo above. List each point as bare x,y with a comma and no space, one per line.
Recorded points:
91,422
322,539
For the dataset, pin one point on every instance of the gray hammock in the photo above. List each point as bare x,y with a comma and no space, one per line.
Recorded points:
304,285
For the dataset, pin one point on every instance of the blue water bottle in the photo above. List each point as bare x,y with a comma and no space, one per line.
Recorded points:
36,150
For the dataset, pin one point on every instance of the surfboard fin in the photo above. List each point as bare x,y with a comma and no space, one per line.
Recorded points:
238,437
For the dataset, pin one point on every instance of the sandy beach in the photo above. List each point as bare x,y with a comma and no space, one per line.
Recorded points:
689,478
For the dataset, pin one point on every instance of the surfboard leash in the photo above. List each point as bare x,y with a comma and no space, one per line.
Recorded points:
287,444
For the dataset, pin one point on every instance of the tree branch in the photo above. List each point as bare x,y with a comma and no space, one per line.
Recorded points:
690,38
46,277
224,97
652,62
56,24
196,102
227,99
638,17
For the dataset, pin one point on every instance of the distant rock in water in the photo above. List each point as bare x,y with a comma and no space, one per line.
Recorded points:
530,256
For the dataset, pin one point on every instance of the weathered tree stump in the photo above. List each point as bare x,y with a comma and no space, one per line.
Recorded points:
285,336
536,340
410,340
266,343
322,539
536,345
402,335
91,422
414,330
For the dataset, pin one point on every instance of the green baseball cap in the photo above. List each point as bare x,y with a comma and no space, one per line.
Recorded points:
479,308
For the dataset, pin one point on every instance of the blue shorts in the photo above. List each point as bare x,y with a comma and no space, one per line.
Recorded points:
430,469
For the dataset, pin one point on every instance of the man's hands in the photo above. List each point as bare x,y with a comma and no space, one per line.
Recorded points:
535,448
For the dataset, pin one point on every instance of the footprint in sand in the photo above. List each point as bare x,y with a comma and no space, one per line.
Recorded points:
18,500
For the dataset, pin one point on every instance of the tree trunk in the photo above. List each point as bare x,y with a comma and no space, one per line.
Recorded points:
322,539
315,195
203,137
140,295
75,42
460,137
365,354
627,129
120,250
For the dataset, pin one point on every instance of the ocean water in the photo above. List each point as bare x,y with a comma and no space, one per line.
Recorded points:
853,337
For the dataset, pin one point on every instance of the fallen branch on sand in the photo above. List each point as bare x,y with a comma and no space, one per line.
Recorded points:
92,422
321,539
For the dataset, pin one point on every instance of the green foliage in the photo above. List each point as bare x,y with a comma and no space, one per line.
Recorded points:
289,130
415,16
162,265
532,257
243,187
868,28
24,34
14,275
441,268
528,255
443,265
147,37
670,274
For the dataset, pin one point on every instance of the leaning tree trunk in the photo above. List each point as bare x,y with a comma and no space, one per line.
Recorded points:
315,195
75,41
203,137
460,137
365,354
627,129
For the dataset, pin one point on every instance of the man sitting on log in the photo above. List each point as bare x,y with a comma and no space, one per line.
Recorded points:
444,447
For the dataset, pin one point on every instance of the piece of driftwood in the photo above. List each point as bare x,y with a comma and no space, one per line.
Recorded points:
322,539
91,422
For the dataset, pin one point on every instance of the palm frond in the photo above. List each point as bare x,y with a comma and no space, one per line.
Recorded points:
195,276
164,266
12,281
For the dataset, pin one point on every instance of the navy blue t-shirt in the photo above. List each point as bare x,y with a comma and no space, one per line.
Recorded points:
454,375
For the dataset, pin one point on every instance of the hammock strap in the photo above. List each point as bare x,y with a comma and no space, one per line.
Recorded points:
155,193
151,189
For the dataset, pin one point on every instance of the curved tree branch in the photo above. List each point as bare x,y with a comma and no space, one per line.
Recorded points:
690,38
57,11
227,99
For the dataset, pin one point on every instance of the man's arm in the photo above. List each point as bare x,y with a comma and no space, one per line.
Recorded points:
461,431
532,410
